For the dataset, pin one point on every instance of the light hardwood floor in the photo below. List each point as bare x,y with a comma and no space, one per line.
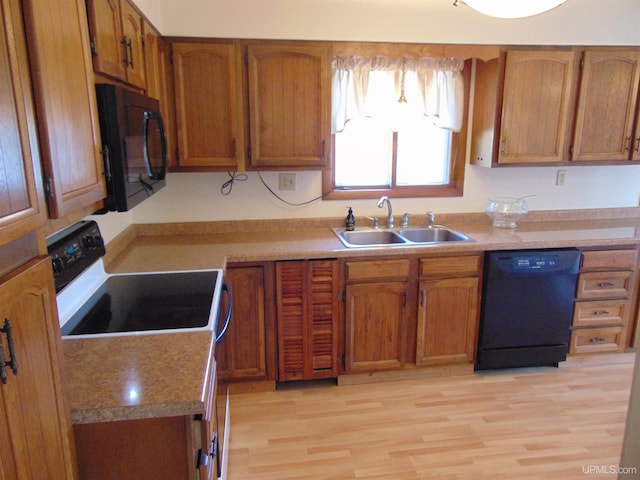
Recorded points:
565,423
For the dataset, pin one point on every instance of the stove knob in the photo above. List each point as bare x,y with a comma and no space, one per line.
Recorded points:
58,265
92,241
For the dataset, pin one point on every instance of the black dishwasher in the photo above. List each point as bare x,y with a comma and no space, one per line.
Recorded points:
527,307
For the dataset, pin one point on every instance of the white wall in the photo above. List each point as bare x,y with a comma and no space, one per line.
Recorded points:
196,197
430,21
192,197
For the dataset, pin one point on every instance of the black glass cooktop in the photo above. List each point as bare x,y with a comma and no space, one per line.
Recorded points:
145,302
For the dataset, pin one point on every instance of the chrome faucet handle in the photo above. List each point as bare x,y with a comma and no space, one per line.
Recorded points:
432,218
375,221
384,199
404,223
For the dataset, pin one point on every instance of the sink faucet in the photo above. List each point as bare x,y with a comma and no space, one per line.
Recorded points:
432,218
381,203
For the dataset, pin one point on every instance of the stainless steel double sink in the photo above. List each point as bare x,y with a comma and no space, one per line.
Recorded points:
398,237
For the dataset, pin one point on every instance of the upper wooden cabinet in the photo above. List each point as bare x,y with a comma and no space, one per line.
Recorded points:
557,106
116,40
272,114
289,102
606,107
22,207
524,116
209,105
536,104
158,81
68,128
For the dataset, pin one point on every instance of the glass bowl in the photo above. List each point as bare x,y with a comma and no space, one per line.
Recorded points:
504,211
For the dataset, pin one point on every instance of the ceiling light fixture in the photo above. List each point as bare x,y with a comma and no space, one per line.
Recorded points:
510,8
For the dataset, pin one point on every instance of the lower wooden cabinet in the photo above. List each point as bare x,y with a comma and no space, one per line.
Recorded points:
604,300
246,351
377,314
447,321
307,318
36,438
160,448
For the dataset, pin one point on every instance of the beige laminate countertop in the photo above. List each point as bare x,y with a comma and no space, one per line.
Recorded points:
143,376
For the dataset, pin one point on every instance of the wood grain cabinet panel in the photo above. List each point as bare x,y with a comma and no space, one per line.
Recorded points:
134,43
375,326
117,41
242,353
209,105
105,28
447,321
66,107
536,106
307,318
604,300
35,419
606,106
22,206
560,106
289,105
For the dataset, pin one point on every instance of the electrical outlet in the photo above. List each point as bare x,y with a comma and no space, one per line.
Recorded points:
287,181
561,178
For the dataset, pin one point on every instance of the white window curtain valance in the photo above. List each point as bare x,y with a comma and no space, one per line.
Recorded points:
372,87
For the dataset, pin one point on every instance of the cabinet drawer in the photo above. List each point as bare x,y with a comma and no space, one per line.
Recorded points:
607,312
603,284
469,264
375,269
590,340
609,259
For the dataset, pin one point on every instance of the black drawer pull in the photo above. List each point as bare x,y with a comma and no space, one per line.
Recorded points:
601,312
606,284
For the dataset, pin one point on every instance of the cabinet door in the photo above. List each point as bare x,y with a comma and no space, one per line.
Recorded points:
132,30
208,94
21,199
157,71
34,407
447,321
375,326
289,101
606,106
536,106
307,316
66,105
105,27
242,353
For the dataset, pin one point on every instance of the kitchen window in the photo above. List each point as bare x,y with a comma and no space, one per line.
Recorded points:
397,127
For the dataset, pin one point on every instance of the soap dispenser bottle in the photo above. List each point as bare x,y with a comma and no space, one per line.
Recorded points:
350,222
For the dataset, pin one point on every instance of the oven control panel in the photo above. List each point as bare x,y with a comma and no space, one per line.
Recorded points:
73,250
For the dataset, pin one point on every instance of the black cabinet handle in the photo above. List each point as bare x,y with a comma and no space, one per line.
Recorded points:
13,362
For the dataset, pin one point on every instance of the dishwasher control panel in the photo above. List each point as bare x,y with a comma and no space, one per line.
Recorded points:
535,262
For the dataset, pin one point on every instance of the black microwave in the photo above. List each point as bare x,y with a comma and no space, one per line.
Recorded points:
134,147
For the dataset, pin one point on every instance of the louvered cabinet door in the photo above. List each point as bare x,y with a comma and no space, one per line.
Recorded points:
307,316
